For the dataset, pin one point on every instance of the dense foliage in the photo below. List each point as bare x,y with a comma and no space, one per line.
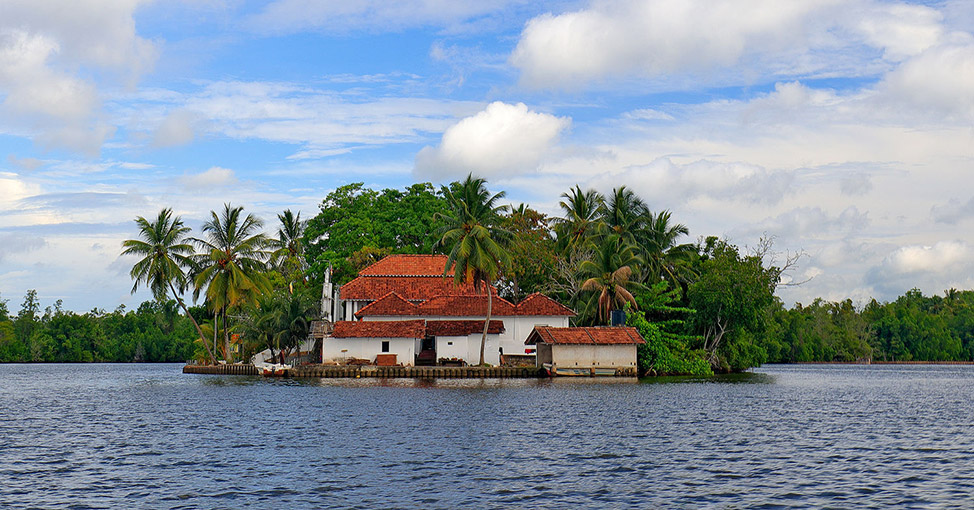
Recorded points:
155,332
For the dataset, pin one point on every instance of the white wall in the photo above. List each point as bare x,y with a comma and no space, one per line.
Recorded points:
516,331
404,348
594,355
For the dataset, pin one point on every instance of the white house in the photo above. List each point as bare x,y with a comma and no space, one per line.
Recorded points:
408,288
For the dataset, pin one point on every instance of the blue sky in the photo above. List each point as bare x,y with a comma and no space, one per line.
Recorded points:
845,129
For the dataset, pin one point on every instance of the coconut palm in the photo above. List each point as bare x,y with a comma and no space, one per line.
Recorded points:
666,259
609,276
231,265
288,254
473,234
625,214
581,210
165,257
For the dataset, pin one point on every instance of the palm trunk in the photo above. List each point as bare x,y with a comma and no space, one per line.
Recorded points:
483,339
216,315
195,324
226,337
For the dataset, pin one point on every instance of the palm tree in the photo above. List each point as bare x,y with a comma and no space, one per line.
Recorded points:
609,273
666,259
473,234
231,265
581,210
165,256
288,254
625,214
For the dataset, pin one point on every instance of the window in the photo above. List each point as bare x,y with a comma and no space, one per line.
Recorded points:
385,346
449,343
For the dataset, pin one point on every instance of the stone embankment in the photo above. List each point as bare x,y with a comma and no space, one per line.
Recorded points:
328,371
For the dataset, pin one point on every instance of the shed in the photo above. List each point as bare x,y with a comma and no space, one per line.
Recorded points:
585,348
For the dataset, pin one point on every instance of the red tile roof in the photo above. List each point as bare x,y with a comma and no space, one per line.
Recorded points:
462,328
465,306
588,336
407,265
539,304
380,329
390,304
413,289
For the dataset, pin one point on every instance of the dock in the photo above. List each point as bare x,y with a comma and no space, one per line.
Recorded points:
355,371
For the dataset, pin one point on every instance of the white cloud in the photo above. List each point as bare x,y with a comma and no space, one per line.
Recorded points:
178,128
51,62
941,78
214,177
502,140
941,257
702,42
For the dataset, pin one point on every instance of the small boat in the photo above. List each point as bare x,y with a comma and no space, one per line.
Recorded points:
272,369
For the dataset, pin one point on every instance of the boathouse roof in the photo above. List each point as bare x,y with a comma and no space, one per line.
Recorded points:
585,336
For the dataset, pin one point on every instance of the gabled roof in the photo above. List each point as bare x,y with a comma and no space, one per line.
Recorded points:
368,288
462,328
465,306
407,265
380,329
390,304
587,336
539,304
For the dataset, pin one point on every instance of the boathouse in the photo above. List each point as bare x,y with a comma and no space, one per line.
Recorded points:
585,349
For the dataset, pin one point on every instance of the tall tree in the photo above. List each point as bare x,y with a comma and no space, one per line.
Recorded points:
625,214
609,277
581,217
231,265
666,259
288,248
165,257
475,238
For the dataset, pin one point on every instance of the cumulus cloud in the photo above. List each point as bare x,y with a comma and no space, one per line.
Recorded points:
502,140
699,39
930,268
51,59
214,177
940,78
736,181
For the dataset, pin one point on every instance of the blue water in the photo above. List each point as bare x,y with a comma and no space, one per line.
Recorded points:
148,436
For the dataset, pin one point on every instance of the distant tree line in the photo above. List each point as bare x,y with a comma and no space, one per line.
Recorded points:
154,332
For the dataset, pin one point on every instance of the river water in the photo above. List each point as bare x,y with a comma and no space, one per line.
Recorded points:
148,436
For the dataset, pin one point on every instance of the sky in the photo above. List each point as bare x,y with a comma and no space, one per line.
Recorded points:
842,129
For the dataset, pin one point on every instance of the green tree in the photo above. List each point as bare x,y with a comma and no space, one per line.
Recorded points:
354,219
533,253
609,278
231,267
165,257
287,254
733,298
581,211
475,238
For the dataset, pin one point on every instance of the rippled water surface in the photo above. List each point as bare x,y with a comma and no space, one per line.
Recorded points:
148,436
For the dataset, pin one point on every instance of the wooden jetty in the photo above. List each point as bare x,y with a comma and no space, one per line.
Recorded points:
353,371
